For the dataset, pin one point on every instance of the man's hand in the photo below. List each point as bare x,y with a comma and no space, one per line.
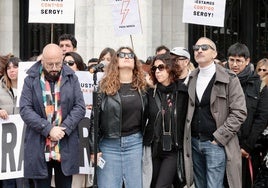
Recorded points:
244,153
57,133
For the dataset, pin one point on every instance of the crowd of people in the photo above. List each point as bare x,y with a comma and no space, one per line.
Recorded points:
162,122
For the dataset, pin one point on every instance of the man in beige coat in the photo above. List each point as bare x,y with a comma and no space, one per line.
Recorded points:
216,110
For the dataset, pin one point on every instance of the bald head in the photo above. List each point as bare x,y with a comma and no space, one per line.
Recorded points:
51,50
208,41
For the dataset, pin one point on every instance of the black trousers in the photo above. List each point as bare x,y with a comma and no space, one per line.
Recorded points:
165,170
61,181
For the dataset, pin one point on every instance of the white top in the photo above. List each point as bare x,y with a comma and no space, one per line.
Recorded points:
203,79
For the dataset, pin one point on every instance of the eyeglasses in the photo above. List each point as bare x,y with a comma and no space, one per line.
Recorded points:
51,65
160,67
124,55
70,63
204,47
180,59
237,61
264,70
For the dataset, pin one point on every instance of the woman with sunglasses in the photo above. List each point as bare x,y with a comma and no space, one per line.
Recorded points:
262,67
121,122
167,112
74,61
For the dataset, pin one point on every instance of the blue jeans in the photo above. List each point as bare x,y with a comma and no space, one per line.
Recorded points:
123,158
209,163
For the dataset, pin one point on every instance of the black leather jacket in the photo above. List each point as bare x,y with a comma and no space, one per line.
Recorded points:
110,115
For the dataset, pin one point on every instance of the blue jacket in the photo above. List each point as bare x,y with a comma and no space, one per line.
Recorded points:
32,111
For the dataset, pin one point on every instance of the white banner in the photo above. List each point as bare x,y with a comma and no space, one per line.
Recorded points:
11,147
87,84
12,133
51,11
126,17
211,12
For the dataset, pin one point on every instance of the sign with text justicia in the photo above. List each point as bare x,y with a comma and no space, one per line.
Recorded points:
51,11
204,12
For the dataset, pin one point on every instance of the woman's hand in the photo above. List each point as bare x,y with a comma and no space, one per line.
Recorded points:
92,157
3,114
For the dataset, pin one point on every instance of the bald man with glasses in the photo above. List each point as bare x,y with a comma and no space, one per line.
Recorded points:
51,105
216,110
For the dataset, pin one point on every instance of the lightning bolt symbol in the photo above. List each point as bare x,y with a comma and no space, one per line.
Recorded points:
124,10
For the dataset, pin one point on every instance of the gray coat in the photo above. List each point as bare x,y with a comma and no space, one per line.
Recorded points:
7,100
32,111
228,107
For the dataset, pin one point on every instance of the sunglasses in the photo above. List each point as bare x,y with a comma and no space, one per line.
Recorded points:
160,67
204,47
124,55
70,63
264,70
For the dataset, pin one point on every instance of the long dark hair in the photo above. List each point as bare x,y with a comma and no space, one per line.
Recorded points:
171,67
12,60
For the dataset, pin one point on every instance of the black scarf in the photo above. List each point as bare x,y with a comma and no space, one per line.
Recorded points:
167,89
244,75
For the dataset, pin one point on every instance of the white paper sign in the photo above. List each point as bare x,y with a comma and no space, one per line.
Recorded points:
23,68
56,11
87,84
11,147
126,17
211,12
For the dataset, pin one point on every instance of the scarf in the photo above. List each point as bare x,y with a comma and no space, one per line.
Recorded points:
168,99
244,75
51,100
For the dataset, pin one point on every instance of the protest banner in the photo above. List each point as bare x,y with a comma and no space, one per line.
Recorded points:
126,17
56,11
87,84
12,132
211,12
11,147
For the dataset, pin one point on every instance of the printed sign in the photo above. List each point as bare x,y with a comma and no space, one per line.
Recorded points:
55,11
200,12
126,17
23,68
11,147
12,132
87,84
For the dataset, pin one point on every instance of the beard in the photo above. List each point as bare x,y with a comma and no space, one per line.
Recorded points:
51,76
